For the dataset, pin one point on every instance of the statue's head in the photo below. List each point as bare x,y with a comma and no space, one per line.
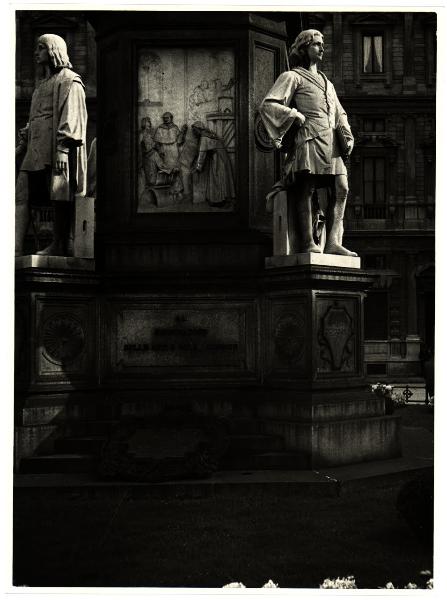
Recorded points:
167,117
57,50
146,123
299,51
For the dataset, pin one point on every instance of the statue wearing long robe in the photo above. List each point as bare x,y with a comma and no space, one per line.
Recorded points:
58,122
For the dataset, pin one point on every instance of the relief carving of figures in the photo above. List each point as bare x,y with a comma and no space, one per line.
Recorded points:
167,139
187,134
216,185
205,96
150,158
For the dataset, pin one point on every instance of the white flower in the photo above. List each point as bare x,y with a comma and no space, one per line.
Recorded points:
344,583
270,584
410,586
429,584
389,586
234,584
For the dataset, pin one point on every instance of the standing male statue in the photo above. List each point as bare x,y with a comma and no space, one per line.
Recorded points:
54,166
303,106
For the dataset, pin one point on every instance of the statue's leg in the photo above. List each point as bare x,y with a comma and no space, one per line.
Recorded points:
335,219
299,209
22,211
61,230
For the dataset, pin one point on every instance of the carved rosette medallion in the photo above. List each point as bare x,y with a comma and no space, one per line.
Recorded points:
262,139
335,338
289,336
63,339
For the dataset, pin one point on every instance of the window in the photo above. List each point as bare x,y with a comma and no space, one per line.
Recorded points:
373,54
374,187
374,125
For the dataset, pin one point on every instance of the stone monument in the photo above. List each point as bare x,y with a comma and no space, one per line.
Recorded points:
181,323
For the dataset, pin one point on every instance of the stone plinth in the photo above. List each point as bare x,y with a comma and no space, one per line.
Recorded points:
318,400
313,258
65,263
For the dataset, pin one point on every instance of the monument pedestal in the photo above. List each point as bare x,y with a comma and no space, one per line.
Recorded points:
180,316
318,400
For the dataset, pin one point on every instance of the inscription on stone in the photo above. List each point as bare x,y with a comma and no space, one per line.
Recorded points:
162,337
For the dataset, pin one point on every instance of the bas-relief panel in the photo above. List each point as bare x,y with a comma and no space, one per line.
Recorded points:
187,130
337,336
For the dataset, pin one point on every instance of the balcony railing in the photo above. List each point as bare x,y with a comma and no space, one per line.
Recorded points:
375,211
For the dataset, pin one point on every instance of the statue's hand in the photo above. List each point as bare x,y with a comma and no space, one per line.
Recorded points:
61,163
23,134
350,145
300,118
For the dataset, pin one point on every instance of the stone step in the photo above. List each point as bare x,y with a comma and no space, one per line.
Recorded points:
80,445
268,461
253,443
93,427
246,425
59,463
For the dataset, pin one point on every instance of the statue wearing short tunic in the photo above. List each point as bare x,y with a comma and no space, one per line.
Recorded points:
315,150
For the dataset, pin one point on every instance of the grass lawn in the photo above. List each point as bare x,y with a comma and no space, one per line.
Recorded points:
68,539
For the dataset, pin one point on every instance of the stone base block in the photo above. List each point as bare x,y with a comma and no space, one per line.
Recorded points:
34,439
84,234
323,407
36,261
313,258
336,443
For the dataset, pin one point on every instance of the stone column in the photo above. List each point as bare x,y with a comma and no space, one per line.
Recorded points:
413,339
410,170
409,79
337,55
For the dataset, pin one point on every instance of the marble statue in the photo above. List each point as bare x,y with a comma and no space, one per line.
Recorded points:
55,161
302,112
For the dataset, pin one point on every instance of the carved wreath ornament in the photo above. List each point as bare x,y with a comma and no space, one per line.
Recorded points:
289,338
63,338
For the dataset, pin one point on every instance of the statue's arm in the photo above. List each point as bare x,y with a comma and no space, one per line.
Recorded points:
201,156
23,140
342,120
275,110
72,122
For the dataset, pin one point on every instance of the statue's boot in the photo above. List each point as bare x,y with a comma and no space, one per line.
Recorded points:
300,225
61,229
22,222
22,212
56,248
333,248
304,227
335,235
